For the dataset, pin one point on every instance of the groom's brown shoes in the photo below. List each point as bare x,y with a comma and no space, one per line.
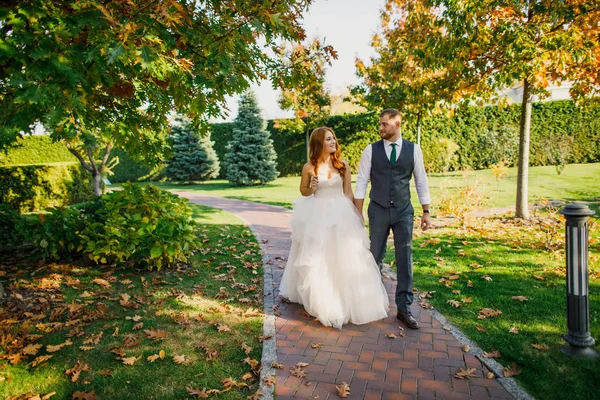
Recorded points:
408,320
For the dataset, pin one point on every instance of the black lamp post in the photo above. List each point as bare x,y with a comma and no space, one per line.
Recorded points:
578,305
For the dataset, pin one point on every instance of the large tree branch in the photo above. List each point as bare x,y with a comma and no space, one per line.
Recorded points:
106,155
79,157
90,153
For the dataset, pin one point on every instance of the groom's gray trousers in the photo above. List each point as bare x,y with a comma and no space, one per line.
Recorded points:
400,220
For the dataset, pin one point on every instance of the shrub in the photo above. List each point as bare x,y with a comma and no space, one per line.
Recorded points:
37,187
440,155
9,220
29,150
130,170
56,233
142,226
558,149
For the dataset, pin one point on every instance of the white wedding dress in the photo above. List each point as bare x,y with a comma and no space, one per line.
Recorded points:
330,270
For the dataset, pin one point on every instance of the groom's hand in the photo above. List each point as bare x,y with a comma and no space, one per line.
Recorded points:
425,221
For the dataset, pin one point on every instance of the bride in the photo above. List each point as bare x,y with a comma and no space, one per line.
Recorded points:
330,270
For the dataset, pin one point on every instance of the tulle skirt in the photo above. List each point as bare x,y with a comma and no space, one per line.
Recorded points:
330,270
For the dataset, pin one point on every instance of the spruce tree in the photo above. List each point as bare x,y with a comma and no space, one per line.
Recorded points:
193,157
250,158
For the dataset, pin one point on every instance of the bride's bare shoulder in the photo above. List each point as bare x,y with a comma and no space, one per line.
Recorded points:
308,168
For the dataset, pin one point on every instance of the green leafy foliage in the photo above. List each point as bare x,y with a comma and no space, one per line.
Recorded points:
35,150
129,170
193,158
401,74
56,233
440,155
36,187
9,220
250,157
101,74
141,226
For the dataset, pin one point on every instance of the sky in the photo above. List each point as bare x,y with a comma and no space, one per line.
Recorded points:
347,25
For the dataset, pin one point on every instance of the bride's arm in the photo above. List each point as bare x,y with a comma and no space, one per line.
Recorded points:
308,188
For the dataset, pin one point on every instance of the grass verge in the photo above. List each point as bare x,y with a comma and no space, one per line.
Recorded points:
126,333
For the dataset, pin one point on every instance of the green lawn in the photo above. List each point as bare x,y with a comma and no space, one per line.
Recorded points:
577,182
206,316
488,264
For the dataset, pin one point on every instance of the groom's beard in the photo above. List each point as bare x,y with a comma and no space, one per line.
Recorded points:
387,135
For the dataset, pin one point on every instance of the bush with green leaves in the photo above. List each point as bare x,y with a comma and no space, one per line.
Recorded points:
9,221
193,157
56,233
37,187
250,158
129,170
440,155
141,226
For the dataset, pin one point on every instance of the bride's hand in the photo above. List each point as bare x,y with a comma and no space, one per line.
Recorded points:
314,182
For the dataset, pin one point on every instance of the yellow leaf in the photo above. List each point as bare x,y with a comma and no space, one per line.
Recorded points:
520,298
246,376
153,357
491,354
180,359
161,354
31,349
454,303
514,330
269,380
511,371
199,393
156,334
343,390
465,373
466,348
390,335
129,360
540,346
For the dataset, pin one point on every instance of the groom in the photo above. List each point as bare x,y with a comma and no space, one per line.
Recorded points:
390,164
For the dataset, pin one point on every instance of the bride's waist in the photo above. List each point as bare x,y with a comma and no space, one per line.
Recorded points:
327,195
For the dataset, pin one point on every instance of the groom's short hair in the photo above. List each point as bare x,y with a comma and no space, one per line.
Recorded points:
390,112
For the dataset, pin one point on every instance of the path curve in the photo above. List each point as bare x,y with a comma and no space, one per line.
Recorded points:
420,365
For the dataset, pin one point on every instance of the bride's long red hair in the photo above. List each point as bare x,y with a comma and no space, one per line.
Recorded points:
317,140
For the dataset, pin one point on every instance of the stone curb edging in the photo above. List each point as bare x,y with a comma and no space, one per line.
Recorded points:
269,351
509,384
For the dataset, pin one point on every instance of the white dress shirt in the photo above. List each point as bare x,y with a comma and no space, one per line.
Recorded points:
364,171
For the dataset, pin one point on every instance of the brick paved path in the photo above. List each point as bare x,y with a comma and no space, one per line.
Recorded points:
420,365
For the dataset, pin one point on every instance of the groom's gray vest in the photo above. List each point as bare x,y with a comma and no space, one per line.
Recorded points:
390,184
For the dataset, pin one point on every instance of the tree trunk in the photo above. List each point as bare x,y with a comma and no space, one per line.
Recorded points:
419,129
92,166
1,294
522,210
97,179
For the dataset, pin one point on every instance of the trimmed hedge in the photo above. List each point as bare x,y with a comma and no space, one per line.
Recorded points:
36,187
129,170
484,135
35,150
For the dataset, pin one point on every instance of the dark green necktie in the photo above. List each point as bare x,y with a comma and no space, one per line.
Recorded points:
393,155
